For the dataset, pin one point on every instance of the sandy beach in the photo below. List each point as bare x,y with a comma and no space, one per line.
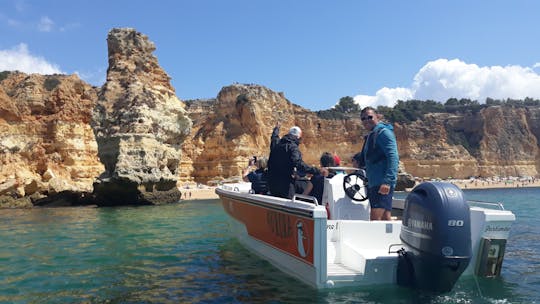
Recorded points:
487,184
203,193
207,192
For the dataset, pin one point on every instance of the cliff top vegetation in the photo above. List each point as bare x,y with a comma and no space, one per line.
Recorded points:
414,109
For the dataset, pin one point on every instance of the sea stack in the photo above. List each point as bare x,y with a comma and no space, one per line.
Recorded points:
139,124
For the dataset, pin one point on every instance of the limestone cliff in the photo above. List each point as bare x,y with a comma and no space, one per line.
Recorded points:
238,123
46,143
139,125
56,130
496,141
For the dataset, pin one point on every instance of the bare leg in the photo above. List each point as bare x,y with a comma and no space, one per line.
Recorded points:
377,214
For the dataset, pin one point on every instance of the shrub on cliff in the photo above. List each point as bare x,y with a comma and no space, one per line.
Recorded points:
51,83
4,75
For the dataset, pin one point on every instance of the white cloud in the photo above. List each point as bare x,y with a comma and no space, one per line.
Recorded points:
20,59
384,97
443,79
45,24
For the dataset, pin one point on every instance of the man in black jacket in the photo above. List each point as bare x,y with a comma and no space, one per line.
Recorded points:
285,158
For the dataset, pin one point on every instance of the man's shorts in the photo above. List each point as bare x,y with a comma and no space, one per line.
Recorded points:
377,200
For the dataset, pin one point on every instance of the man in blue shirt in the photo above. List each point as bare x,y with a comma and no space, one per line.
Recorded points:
380,158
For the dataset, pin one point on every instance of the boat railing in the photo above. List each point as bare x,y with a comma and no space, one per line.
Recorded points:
305,198
230,188
343,169
496,205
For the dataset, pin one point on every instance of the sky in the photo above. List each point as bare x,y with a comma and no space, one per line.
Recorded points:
313,51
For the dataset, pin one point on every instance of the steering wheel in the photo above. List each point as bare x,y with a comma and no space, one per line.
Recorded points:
353,184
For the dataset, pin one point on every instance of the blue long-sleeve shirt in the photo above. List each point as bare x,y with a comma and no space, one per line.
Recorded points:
380,156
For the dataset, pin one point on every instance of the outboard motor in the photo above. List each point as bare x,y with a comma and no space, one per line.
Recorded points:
436,233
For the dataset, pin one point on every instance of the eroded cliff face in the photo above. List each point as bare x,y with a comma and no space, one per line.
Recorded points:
497,141
236,125
46,143
139,125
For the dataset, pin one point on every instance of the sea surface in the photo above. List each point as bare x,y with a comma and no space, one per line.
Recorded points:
185,253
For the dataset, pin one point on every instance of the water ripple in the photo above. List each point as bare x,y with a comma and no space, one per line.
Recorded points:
184,253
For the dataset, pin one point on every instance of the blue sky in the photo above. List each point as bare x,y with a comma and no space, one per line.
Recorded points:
314,51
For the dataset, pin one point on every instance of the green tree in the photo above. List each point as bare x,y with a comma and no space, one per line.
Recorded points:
347,105
493,102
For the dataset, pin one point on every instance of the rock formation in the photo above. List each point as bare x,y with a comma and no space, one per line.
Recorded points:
237,125
496,141
139,125
55,130
46,144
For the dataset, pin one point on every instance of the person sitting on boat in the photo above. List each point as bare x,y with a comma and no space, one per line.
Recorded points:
258,177
379,156
337,163
337,160
315,186
284,157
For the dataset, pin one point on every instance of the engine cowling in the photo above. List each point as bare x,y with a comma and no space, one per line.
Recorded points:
436,236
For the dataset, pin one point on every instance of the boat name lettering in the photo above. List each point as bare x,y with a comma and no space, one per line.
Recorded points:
279,223
420,224
497,228
332,226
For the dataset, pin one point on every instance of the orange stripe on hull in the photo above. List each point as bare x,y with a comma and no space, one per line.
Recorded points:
290,233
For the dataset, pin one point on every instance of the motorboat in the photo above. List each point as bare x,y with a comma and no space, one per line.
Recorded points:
435,235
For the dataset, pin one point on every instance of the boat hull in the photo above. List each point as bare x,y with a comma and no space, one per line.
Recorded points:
299,239
280,233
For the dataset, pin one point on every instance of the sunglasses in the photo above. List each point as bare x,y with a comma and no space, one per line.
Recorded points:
369,117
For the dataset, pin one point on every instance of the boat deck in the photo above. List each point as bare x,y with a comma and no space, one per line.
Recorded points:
339,270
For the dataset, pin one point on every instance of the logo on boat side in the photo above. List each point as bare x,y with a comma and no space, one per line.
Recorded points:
302,239
279,223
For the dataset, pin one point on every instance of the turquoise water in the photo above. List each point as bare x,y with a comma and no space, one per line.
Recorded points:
184,253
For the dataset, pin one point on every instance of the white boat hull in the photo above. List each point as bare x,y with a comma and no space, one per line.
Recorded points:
346,249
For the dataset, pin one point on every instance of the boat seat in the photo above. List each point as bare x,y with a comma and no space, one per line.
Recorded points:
346,209
340,206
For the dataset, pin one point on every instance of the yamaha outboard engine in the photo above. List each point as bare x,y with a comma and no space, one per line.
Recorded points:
436,233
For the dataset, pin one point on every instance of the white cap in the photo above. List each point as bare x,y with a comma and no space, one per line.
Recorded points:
296,131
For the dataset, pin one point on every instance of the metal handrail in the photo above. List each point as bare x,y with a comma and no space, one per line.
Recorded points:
497,204
305,198
230,188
